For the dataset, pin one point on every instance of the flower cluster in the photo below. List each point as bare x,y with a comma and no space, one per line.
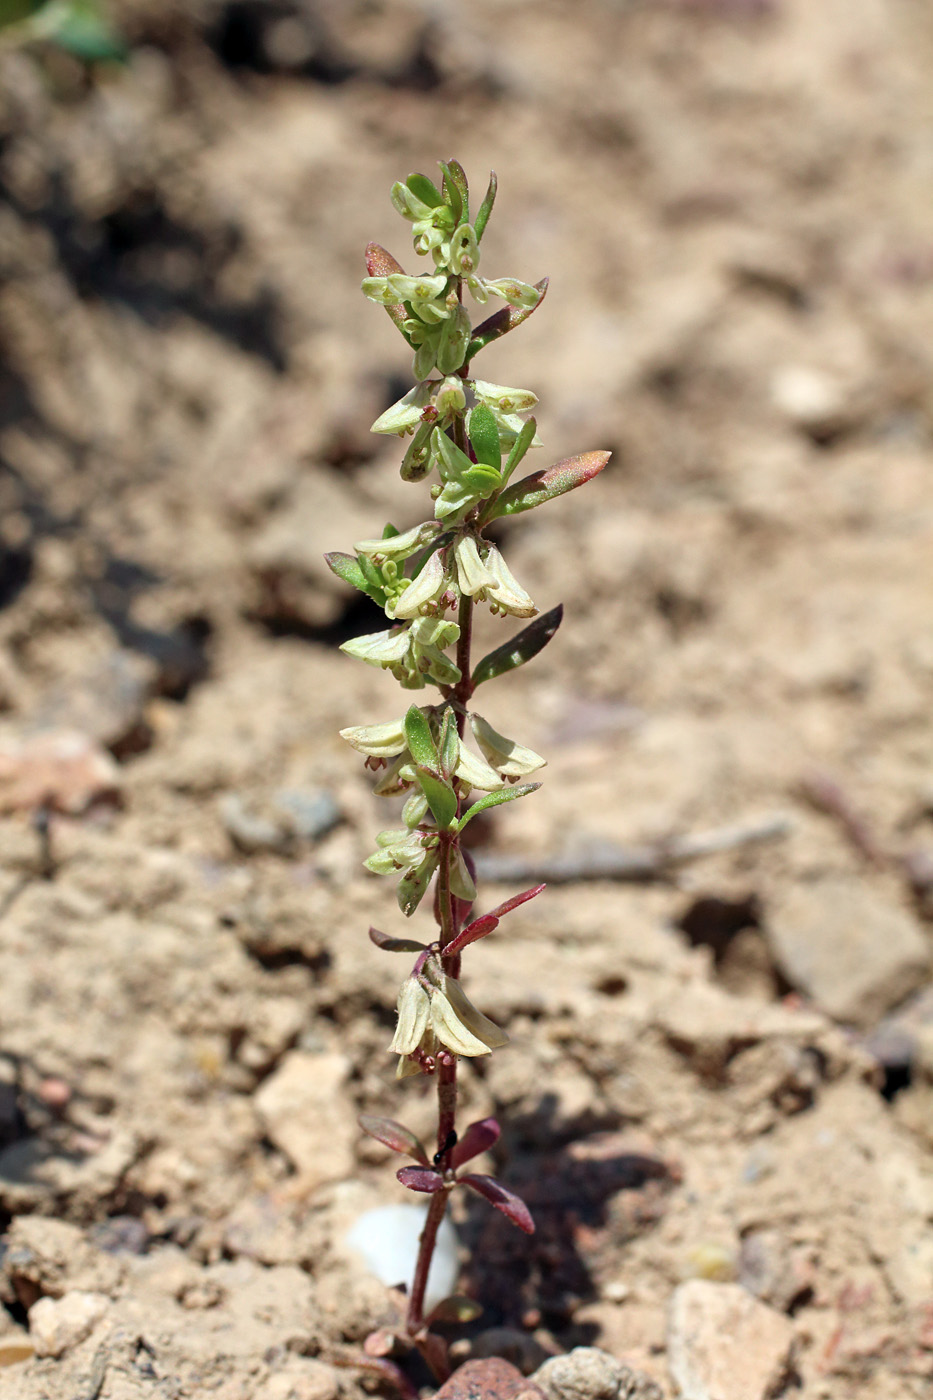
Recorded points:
434,321
435,1012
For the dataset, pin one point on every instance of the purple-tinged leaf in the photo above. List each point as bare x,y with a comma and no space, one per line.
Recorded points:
457,1308
523,646
395,945
478,929
487,923
508,905
511,1206
394,1135
479,1137
421,1179
548,483
503,321
380,263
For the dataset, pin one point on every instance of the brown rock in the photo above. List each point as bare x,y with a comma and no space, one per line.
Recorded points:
852,953
488,1379
297,1104
62,769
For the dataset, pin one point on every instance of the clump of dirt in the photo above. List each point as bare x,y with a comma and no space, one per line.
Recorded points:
721,1069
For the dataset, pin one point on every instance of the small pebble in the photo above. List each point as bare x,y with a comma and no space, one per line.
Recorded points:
58,1324
311,815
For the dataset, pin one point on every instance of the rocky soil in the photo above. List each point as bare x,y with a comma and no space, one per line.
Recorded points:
718,1099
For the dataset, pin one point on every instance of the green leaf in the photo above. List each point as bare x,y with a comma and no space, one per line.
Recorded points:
522,647
357,573
485,209
548,484
503,321
519,447
495,799
372,576
389,531
413,885
484,435
456,190
448,743
425,190
420,740
441,797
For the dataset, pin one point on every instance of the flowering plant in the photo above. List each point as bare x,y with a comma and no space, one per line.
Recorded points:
428,580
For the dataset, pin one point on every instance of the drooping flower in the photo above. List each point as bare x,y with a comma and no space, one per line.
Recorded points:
504,755
486,578
377,740
434,1011
422,592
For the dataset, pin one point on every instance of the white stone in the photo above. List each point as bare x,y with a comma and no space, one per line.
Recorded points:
386,1239
723,1344
58,1324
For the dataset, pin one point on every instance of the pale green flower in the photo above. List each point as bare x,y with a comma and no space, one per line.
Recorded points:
404,415
518,294
383,649
504,755
414,1014
477,773
450,399
508,596
487,579
400,546
399,288
421,592
400,850
499,396
434,1010
377,740
472,575
429,635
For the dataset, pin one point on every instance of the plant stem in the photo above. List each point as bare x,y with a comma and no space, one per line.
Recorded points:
446,1062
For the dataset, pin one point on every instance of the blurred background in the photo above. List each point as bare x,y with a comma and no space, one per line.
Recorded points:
732,201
